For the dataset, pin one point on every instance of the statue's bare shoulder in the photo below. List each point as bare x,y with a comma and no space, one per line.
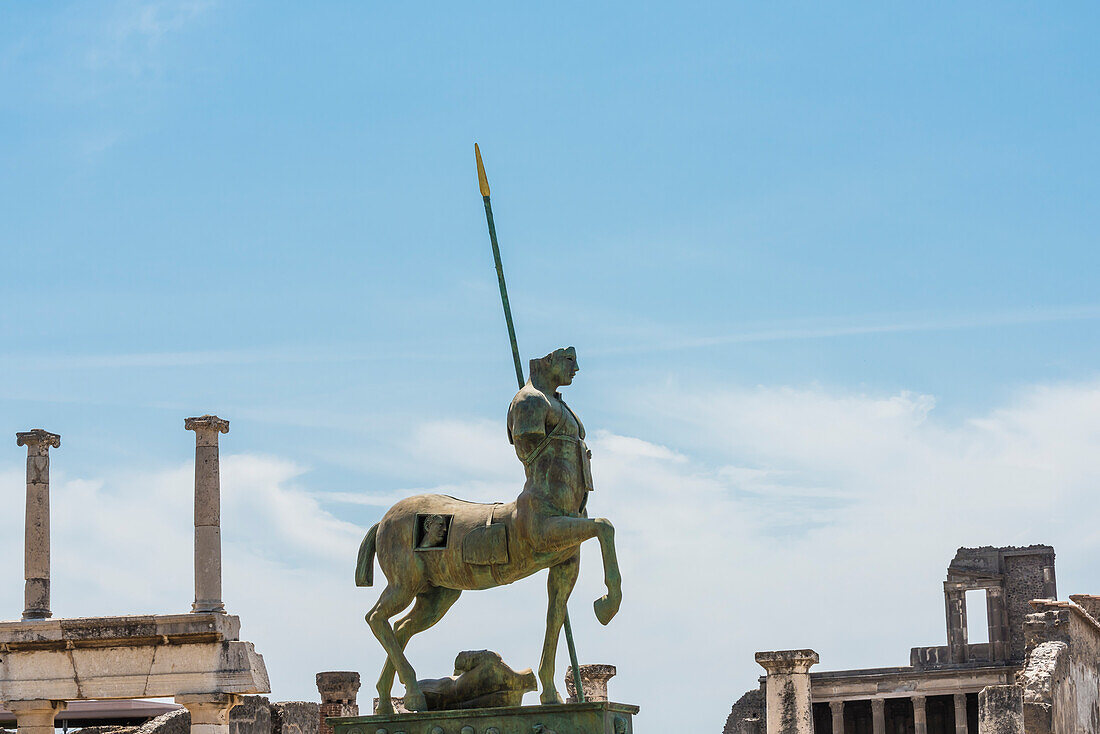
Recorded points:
528,413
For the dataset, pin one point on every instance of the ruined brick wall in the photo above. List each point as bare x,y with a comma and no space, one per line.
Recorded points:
1061,680
748,715
1023,577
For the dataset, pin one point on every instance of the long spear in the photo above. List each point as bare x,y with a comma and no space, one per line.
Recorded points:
483,182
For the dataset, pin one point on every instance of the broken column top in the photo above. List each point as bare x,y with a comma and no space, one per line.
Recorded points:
788,661
337,686
206,421
38,437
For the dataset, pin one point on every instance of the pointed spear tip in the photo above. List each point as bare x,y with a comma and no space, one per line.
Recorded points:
482,181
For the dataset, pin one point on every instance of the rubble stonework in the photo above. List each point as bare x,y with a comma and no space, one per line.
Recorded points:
747,716
253,715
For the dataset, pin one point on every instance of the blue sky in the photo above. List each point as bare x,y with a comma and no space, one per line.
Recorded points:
270,212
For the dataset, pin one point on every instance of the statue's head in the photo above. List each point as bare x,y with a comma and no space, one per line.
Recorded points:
558,367
435,530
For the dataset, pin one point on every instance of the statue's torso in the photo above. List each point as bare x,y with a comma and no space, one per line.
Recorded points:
557,468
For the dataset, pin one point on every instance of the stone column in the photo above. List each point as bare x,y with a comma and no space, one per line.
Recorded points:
790,709
837,709
338,689
1001,710
878,715
920,717
960,713
997,622
36,548
594,680
955,601
35,717
208,532
209,711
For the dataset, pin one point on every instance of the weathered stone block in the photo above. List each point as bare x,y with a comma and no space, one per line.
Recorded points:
295,717
1001,710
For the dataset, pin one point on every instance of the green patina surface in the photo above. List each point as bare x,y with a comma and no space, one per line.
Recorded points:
598,717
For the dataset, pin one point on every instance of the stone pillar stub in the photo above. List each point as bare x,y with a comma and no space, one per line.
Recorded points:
209,711
957,643
208,543
36,540
960,713
338,689
920,715
594,680
837,710
35,717
997,622
787,691
878,715
1001,710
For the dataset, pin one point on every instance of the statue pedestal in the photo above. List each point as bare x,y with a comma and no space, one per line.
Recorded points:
597,717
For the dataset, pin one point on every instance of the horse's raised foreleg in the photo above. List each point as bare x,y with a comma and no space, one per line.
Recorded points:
429,608
562,532
559,585
392,601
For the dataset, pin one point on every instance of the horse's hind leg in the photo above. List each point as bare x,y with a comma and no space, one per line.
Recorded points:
392,601
429,608
559,584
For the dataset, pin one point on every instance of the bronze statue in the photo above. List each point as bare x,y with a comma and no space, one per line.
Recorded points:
432,547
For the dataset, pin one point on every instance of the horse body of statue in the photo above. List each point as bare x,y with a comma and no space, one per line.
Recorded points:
432,547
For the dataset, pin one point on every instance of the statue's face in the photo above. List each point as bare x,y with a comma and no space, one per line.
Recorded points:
564,365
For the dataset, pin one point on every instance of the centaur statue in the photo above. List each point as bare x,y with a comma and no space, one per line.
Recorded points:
432,547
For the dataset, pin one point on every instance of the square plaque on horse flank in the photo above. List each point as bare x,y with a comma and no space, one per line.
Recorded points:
432,531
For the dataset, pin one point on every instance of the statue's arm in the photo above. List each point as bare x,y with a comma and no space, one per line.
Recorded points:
527,422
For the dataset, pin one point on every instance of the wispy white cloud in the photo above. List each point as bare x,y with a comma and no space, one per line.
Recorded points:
864,326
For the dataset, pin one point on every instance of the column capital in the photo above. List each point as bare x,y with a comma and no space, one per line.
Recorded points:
208,708
204,423
38,441
835,706
787,661
878,703
918,698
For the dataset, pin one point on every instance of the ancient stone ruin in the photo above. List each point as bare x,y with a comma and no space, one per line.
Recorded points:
197,658
1038,674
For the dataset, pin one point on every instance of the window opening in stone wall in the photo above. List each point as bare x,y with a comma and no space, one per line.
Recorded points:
977,627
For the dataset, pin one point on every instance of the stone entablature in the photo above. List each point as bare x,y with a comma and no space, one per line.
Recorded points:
867,683
142,656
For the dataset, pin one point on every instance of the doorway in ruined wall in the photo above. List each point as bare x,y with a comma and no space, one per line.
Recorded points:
977,618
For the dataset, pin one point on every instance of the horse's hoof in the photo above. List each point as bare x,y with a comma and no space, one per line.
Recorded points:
415,702
550,697
606,608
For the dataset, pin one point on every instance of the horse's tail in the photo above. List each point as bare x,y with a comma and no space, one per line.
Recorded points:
364,568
